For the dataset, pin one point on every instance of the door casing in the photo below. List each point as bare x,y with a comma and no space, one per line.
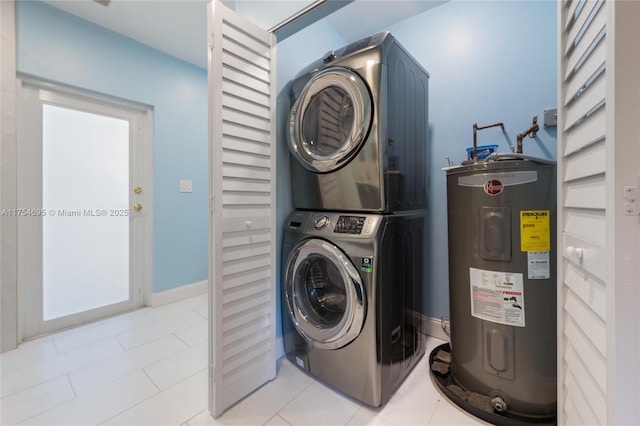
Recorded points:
32,94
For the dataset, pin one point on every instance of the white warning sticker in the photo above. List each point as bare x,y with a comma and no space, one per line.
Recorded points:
539,266
497,296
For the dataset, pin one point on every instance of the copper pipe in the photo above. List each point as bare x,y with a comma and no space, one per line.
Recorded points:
475,136
531,132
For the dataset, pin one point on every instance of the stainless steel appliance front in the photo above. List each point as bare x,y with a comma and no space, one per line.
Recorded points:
352,298
324,293
358,130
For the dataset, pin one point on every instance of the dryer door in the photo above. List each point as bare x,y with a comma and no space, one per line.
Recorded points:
330,120
325,294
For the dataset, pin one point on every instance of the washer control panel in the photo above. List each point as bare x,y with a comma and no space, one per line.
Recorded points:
337,224
349,225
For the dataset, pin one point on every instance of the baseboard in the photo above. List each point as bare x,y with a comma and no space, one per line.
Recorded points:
179,293
433,327
279,347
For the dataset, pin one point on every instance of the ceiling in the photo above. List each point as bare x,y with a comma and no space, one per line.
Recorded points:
179,27
380,14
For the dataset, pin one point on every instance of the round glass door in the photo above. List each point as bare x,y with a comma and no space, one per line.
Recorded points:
330,120
325,294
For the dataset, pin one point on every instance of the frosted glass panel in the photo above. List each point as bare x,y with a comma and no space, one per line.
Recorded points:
85,189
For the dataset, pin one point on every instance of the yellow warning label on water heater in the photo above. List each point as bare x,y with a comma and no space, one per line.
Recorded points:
535,232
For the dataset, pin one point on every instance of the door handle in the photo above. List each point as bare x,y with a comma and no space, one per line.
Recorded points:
137,207
576,252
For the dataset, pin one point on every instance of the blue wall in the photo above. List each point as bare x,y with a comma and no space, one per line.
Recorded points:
490,61
58,46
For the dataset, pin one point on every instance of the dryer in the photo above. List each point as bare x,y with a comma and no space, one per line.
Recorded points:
358,130
352,298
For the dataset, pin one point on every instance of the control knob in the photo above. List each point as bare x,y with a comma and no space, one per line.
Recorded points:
321,222
330,57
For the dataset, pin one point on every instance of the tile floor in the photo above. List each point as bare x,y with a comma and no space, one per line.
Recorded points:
149,367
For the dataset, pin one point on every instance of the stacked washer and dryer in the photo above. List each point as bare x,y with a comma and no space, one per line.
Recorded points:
353,249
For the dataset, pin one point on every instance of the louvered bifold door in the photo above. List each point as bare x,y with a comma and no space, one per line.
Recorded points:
242,176
582,155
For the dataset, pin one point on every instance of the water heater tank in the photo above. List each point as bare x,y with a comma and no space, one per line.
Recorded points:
502,282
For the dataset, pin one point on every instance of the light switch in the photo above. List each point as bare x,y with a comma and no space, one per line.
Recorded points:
186,185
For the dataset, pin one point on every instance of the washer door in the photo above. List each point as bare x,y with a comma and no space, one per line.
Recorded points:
325,294
330,120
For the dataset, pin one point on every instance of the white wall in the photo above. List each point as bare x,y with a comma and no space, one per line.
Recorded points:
8,173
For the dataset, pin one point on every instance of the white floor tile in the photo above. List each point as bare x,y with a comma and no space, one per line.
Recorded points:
109,328
54,366
25,354
149,367
319,405
415,400
194,335
203,418
101,404
35,400
173,407
264,403
203,308
124,316
368,416
71,330
108,370
159,329
431,343
447,413
179,366
180,307
277,421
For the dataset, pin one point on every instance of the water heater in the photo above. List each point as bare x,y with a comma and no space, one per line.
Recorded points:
502,282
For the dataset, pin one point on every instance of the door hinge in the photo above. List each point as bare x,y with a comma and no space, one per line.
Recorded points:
211,202
631,204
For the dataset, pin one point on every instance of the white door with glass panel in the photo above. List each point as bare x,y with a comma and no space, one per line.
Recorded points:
82,209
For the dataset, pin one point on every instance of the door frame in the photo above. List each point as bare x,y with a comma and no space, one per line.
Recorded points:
52,93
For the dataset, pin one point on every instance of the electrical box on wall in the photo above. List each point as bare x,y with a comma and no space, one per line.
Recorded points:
550,117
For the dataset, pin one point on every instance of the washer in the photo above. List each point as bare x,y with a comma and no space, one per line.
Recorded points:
352,298
358,130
